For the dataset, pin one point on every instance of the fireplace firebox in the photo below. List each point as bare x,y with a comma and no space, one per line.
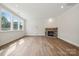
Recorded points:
51,32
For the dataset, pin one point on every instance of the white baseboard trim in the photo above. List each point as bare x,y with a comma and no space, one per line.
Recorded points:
35,34
11,40
73,43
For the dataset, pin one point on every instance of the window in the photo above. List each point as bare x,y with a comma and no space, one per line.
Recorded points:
5,20
9,21
15,23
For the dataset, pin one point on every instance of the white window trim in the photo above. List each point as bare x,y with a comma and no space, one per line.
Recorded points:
0,23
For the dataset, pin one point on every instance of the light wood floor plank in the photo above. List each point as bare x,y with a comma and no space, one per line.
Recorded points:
39,46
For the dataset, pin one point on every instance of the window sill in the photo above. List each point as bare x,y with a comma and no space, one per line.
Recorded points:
12,31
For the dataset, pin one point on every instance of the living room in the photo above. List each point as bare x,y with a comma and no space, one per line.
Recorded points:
39,27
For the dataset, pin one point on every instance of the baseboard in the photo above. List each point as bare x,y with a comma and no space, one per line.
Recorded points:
35,35
4,45
72,43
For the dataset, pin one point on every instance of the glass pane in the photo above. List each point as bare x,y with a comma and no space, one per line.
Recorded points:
5,20
15,23
21,24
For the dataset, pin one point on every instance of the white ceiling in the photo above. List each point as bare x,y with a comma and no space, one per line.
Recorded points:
38,10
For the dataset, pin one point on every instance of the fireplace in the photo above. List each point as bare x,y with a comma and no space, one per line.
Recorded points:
51,32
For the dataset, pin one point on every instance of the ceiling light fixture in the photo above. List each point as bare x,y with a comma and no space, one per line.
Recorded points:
62,6
50,20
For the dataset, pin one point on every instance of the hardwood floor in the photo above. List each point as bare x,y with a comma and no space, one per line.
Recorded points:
39,46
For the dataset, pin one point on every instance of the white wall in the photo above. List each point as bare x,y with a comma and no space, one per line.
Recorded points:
8,36
68,25
37,26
